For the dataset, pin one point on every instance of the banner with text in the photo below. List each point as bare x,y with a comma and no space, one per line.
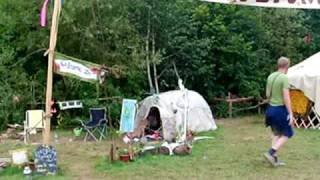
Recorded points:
76,68
299,4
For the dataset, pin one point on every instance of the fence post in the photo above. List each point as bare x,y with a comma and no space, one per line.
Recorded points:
230,104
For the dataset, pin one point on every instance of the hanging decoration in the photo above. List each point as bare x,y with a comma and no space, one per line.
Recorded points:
43,13
44,10
298,4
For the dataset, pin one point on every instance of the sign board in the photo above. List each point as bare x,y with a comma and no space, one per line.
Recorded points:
46,159
128,113
76,68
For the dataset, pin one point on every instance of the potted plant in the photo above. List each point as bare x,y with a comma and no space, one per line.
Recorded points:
124,155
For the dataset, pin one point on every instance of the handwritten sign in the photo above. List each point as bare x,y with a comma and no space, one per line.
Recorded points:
46,159
77,68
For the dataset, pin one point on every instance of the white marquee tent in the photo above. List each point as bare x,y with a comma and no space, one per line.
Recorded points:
305,76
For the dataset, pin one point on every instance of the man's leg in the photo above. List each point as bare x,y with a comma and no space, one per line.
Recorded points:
277,143
275,138
280,142
271,154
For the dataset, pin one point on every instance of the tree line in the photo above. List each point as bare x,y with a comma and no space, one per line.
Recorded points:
213,48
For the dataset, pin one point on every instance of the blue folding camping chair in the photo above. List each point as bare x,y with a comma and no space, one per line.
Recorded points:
96,126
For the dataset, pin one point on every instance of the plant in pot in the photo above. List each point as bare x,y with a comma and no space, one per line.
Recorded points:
124,155
137,150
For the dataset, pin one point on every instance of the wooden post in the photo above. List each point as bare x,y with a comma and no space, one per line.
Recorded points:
230,105
151,89
98,91
230,109
50,52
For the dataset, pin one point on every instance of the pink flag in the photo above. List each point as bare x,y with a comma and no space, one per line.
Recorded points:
43,13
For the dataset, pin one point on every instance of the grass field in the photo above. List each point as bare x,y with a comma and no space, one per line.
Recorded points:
234,153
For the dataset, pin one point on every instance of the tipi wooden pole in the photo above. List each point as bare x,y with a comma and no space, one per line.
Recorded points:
50,52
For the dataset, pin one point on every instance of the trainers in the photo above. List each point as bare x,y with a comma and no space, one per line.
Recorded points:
270,159
280,163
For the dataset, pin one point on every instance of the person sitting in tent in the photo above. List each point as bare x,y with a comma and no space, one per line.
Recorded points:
154,123
153,129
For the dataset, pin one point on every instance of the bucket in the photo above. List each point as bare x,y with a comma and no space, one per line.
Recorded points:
77,131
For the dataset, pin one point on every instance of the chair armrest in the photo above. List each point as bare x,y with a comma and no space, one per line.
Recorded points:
103,121
82,123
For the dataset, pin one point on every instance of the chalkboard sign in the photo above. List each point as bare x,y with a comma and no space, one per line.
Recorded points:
46,160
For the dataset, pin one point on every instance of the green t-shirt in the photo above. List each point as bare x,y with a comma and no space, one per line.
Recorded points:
280,82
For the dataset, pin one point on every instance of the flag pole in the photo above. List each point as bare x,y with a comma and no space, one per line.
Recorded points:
50,52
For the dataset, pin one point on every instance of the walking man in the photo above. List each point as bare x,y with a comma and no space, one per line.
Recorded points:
279,114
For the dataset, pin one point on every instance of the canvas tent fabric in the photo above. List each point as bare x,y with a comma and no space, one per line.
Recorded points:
305,76
171,106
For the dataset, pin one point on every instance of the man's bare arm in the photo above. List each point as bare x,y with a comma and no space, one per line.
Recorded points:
287,102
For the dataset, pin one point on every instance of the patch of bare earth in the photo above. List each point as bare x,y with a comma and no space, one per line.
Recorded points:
78,158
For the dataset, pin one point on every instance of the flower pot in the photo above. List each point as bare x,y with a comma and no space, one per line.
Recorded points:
124,158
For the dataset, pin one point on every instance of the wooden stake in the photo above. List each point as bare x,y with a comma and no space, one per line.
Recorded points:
230,105
50,52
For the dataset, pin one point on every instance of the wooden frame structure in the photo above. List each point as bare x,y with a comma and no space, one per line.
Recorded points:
231,101
304,112
310,121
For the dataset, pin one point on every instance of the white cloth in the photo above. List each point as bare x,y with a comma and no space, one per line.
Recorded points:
273,4
305,76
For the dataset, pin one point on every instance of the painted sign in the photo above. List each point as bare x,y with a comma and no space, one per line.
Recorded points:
46,160
128,113
299,4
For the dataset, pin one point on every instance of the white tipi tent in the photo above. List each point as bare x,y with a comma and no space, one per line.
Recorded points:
171,106
305,76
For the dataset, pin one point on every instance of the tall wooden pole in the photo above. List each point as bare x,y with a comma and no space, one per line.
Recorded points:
50,52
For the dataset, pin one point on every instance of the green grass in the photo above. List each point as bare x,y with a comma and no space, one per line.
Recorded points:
13,173
234,153
170,167
245,141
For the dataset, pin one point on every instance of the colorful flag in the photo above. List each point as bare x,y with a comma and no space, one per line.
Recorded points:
43,13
